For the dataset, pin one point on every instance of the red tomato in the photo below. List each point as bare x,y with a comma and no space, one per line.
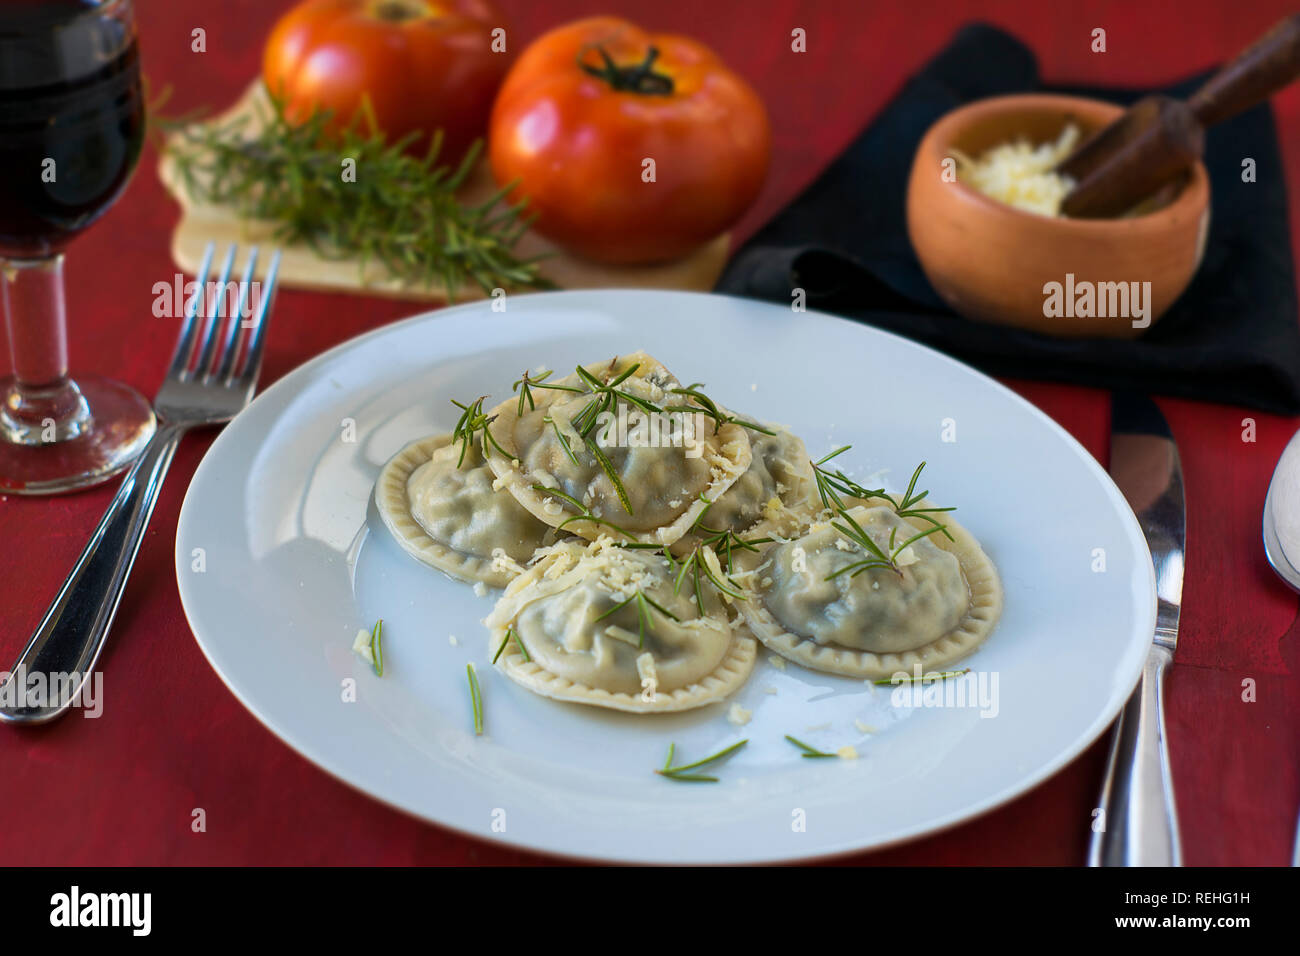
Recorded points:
586,109
424,64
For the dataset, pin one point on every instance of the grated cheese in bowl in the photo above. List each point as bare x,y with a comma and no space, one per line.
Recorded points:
1020,174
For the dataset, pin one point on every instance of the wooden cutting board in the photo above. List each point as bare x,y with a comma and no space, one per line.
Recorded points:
301,267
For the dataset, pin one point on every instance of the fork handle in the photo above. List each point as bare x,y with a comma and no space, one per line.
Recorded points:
1139,823
71,635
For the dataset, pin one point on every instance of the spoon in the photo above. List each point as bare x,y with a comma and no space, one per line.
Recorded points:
1282,533
1282,516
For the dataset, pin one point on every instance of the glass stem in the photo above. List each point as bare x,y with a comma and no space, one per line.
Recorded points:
42,404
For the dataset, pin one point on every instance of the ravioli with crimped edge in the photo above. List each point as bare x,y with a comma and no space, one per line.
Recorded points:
437,499
830,602
552,454
610,626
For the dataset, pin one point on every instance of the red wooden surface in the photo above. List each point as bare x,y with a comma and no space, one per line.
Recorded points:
120,789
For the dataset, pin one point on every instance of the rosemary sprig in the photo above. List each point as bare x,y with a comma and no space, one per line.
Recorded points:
678,773
399,210
906,508
644,604
827,484
584,513
725,543
377,646
511,633
880,557
527,383
912,679
722,542
609,393
475,699
698,566
523,387
605,396
707,405
472,421
807,750
832,484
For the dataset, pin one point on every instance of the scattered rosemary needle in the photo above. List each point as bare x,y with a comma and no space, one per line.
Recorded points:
807,750
475,698
376,646
677,773
397,210
912,679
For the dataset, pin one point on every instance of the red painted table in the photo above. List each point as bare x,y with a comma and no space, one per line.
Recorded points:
120,789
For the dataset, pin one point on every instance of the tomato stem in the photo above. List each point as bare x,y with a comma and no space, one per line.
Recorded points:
397,11
638,78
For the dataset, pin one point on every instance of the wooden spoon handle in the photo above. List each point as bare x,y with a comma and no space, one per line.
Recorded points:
1267,65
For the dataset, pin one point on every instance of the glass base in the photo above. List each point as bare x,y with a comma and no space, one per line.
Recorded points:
111,429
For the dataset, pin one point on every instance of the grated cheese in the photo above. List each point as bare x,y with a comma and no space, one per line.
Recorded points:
1020,174
361,647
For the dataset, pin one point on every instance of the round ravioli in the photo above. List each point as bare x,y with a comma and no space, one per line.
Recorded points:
603,625
609,451
446,513
825,601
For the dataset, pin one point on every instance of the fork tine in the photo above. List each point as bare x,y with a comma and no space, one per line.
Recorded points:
230,347
212,328
185,337
257,338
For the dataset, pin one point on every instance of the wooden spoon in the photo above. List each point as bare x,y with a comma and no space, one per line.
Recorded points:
1160,137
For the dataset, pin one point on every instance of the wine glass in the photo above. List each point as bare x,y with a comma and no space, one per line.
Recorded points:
72,123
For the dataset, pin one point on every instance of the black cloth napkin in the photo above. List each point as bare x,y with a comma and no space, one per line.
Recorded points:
1232,337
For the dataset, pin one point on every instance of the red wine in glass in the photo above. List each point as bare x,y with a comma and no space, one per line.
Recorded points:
72,124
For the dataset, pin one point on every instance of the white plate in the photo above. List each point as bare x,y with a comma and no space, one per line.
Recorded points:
295,562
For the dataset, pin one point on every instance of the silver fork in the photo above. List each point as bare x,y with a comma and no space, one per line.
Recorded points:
208,383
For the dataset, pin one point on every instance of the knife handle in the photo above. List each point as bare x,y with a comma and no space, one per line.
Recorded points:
1139,823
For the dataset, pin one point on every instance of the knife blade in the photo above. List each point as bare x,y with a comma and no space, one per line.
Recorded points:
1139,819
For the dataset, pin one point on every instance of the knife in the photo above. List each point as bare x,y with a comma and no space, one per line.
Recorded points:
1139,823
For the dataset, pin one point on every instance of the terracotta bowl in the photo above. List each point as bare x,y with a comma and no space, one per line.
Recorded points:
993,263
